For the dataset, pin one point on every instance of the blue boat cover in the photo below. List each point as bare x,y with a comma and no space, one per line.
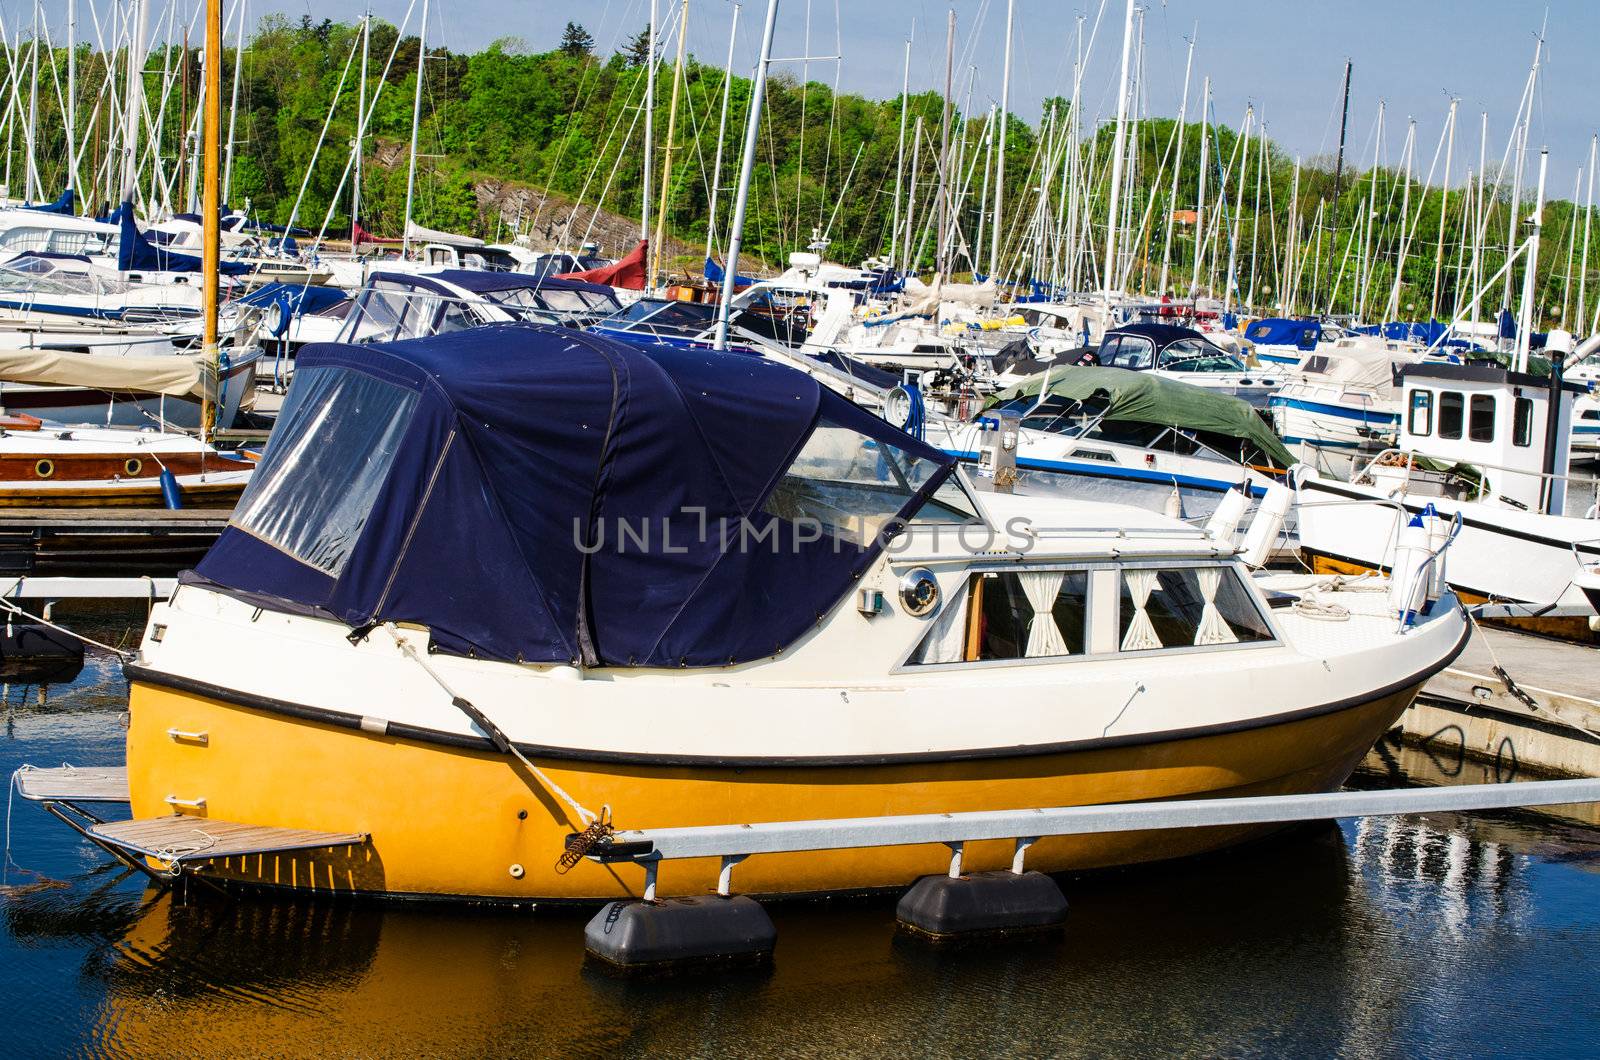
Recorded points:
1281,331
137,253
717,274
301,298
510,457
66,204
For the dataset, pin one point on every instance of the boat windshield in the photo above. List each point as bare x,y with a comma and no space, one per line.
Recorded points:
387,310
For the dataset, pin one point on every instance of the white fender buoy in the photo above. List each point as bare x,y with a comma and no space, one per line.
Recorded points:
1267,525
1224,522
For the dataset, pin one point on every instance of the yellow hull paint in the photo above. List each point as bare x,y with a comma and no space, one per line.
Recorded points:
447,822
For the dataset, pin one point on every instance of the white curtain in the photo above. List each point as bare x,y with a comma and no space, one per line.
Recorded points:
1044,636
946,641
1141,633
1213,630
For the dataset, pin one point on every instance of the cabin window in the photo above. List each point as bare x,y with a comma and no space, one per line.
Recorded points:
1028,614
1480,424
331,451
1452,413
1421,424
851,486
1187,606
1522,422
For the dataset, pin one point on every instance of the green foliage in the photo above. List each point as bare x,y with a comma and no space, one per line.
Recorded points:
570,123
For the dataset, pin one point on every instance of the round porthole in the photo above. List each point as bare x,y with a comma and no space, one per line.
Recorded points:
132,466
44,469
919,592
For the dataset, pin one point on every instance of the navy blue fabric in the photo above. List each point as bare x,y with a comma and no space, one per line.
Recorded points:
1163,335
497,527
302,298
717,274
136,253
1280,331
66,204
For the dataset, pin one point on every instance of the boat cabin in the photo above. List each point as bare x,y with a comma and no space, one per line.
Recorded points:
398,305
1492,420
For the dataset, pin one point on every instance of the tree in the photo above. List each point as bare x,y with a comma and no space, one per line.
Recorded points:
576,41
637,51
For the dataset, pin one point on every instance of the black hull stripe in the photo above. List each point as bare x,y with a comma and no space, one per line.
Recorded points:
136,672
1476,524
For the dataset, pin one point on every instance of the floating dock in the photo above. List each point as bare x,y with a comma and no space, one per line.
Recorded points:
134,542
1517,700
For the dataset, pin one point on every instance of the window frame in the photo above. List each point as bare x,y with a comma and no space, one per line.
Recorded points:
1475,403
1100,603
1424,405
1459,400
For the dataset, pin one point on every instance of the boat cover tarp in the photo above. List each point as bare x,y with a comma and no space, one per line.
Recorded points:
526,447
627,273
179,375
299,297
359,235
135,253
714,272
417,234
1280,331
66,204
1145,397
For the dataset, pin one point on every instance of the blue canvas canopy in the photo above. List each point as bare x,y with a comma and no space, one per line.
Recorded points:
66,204
1280,331
135,253
298,297
539,494
714,272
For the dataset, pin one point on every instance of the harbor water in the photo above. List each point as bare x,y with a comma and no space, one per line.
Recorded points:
1439,935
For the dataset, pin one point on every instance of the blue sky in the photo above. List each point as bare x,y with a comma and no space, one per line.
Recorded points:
1285,56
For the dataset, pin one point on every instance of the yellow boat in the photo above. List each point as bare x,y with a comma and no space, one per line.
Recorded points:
489,587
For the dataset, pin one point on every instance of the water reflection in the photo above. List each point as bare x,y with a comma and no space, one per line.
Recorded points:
1434,934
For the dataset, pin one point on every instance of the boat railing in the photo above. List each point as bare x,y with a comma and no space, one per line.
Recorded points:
1543,476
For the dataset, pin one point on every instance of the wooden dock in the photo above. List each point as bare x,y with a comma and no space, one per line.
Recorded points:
91,542
1542,714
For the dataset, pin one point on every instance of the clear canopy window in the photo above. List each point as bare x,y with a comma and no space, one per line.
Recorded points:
335,441
851,486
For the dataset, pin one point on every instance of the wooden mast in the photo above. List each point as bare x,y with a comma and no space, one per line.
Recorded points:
210,208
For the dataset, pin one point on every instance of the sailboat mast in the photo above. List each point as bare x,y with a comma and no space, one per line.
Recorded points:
752,136
137,23
72,95
1177,168
1583,264
34,190
722,130
361,122
1200,197
416,120
1118,146
649,134
233,105
1000,159
1444,208
211,206
1525,311
941,264
1344,123
900,156
672,131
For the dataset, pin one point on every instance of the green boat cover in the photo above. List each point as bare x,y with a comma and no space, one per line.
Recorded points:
1145,397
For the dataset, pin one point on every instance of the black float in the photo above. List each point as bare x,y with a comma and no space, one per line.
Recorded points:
984,904
667,935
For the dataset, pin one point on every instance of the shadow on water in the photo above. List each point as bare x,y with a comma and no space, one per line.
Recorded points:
1436,934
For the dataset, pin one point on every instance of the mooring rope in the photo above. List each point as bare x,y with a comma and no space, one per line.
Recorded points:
495,734
14,609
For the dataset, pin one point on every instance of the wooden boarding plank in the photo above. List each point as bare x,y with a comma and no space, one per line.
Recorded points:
184,838
73,784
